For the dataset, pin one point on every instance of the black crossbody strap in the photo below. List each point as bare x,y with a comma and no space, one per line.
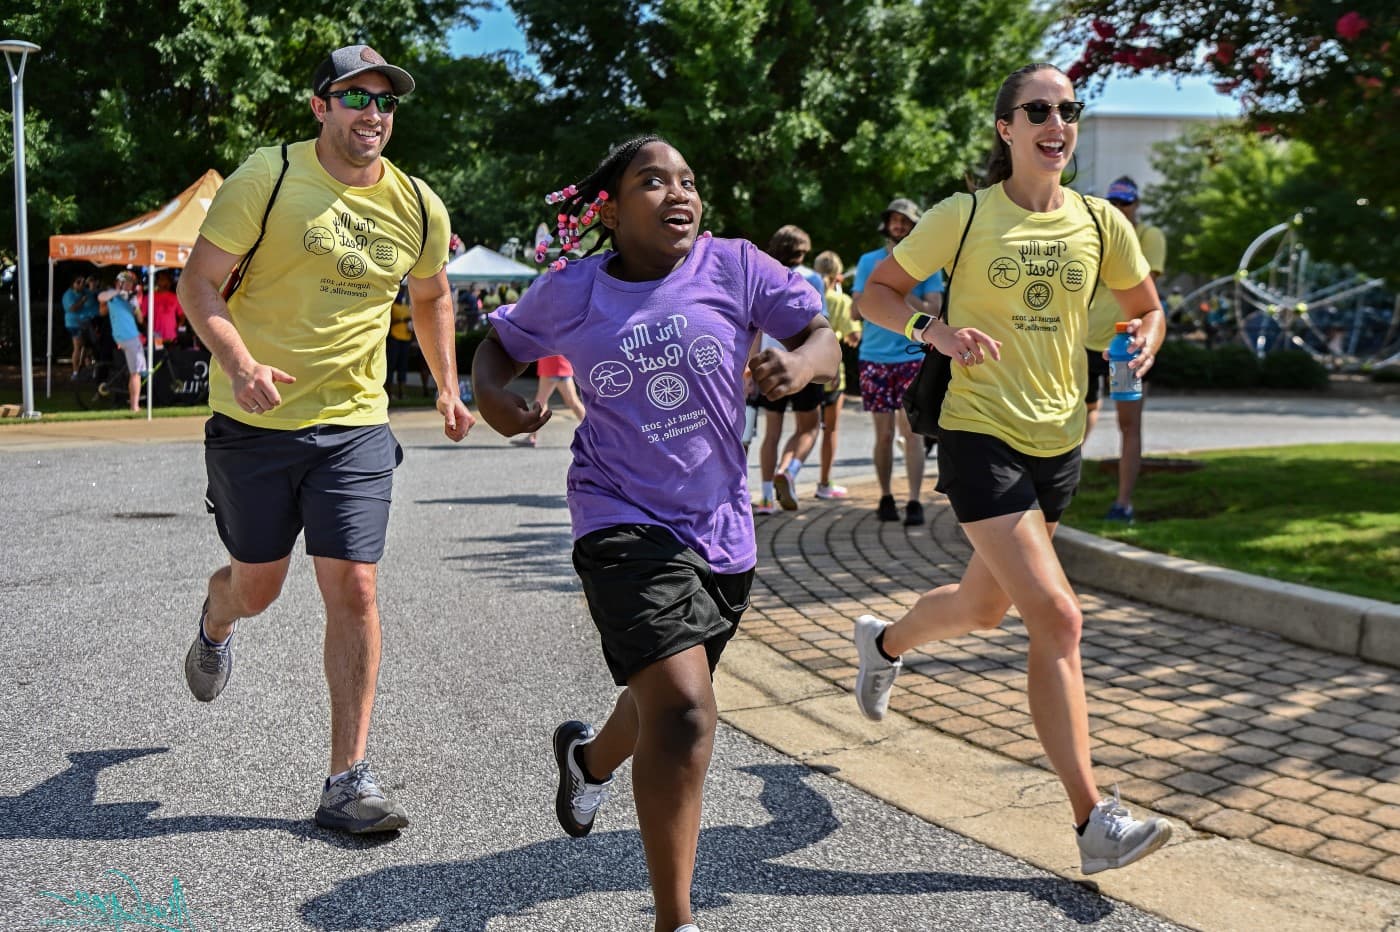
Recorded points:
1098,231
422,212
948,285
242,269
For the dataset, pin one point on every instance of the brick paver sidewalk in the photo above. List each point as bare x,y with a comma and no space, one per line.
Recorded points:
1234,731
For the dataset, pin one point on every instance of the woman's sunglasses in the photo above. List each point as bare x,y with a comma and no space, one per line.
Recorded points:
357,98
1038,111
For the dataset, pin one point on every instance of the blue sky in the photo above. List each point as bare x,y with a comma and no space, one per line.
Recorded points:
1121,95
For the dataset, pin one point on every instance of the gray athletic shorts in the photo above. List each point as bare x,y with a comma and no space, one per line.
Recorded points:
265,486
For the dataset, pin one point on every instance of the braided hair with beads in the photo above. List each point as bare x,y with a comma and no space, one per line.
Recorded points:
580,204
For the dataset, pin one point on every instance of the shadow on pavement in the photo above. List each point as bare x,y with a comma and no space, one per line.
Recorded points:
65,806
465,896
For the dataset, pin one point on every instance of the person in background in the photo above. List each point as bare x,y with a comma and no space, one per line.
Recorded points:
399,345
789,245
79,308
847,329
119,305
167,313
555,374
888,363
1104,312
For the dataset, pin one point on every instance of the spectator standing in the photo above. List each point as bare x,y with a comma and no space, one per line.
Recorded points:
399,346
297,388
167,313
888,363
120,306
1104,312
847,329
79,309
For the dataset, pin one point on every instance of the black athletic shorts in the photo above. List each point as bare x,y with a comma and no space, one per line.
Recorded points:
266,485
652,597
1098,377
985,477
804,399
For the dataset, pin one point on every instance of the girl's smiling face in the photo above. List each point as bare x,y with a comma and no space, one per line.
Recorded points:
654,214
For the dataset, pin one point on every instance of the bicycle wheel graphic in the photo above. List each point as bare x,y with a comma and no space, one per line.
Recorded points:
667,391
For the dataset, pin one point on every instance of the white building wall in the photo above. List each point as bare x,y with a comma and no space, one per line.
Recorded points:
1117,144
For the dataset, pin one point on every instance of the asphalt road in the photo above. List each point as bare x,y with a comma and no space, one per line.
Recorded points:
113,780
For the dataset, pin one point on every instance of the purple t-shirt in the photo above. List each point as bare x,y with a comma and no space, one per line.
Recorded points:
660,367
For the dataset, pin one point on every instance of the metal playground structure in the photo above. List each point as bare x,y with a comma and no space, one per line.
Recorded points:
1279,298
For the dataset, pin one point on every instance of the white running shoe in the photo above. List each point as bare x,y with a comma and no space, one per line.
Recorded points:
832,491
876,675
782,488
1113,838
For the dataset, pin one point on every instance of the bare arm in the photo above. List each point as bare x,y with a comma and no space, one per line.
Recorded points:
811,355
492,370
885,305
434,323
1147,325
254,385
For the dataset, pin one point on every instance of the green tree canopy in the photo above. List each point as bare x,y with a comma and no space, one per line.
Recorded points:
814,113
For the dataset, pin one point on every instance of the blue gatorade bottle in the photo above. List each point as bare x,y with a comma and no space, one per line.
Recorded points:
1124,384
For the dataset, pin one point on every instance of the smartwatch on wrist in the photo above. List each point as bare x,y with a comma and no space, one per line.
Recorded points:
914,329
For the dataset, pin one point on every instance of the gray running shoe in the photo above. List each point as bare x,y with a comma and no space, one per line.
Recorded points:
357,805
876,675
1113,838
688,927
577,801
208,666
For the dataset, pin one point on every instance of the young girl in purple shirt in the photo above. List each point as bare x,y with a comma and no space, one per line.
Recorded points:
658,330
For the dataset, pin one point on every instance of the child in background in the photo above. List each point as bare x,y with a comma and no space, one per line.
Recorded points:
847,329
659,328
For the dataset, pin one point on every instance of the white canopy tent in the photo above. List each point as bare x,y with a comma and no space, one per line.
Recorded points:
480,264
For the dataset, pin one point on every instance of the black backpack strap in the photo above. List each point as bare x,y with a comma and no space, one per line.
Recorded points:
1098,231
241,270
948,283
422,212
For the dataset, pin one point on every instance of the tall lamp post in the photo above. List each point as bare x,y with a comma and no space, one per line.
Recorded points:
26,351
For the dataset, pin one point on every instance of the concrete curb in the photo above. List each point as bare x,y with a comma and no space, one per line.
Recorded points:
1344,624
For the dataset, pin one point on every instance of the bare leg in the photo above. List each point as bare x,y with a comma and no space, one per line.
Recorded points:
1130,460
1091,419
242,590
883,454
543,393
768,449
569,392
1015,562
133,388
351,653
913,456
803,439
668,710
831,417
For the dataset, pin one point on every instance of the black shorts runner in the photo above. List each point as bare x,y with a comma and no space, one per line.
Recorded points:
804,399
985,477
266,485
652,597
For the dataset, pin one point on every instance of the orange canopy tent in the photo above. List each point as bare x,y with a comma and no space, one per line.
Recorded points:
161,238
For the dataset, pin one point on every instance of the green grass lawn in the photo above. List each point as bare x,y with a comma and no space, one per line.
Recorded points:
1325,516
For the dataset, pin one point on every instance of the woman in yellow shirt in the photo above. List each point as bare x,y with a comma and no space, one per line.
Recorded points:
847,329
1013,420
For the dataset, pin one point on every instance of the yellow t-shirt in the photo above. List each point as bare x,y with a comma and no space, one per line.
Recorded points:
1024,278
399,316
315,302
1104,311
838,314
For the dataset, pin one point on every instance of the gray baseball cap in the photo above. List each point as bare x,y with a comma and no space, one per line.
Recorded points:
357,59
902,206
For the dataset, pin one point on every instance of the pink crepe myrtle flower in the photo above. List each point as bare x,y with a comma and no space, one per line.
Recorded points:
1351,25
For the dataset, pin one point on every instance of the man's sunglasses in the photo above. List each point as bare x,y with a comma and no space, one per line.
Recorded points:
357,98
1038,111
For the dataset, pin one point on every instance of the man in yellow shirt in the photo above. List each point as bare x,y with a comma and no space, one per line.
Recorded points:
1104,312
322,233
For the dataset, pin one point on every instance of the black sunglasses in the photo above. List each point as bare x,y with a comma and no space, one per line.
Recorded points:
1038,111
357,98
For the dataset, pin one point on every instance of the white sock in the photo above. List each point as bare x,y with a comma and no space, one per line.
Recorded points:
768,491
336,778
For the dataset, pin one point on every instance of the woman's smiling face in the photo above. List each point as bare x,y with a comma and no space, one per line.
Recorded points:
1047,147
